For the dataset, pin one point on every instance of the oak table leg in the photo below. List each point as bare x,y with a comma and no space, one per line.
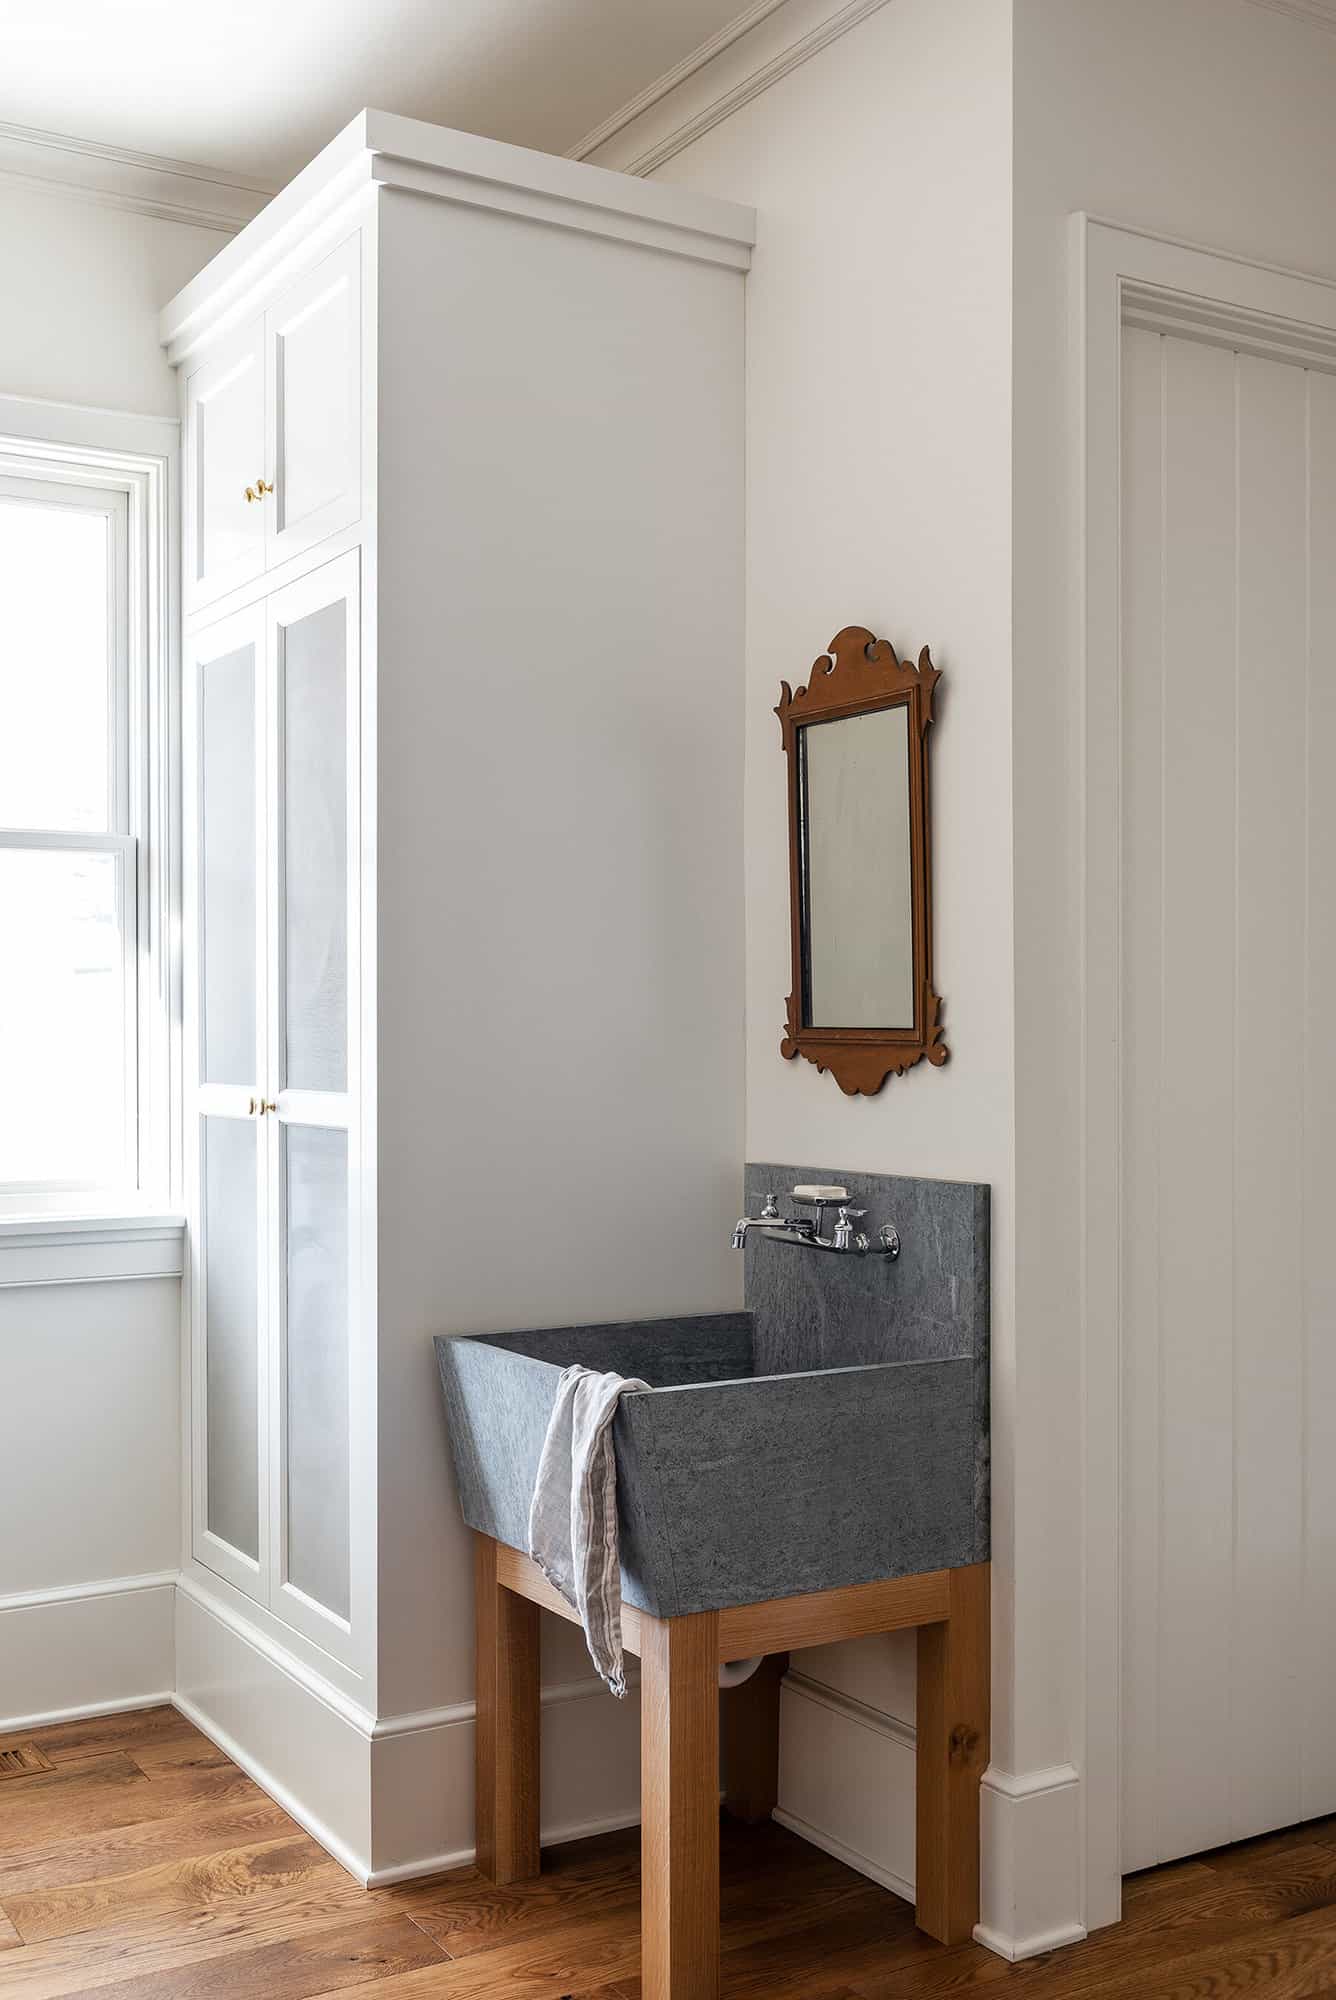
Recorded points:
952,1730
679,1809
749,1742
506,1732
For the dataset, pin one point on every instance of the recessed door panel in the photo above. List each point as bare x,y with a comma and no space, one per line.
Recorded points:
315,1371
314,357
232,1339
314,792
225,447
228,873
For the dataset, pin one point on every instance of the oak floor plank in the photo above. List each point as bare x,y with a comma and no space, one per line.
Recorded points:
133,1951
110,1792
589,1955
9,1937
285,1866
86,1735
331,1960
177,1753
72,1858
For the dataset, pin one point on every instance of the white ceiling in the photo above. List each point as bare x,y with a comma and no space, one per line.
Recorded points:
254,88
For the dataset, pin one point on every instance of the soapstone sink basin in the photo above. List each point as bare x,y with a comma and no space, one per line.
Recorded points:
735,1484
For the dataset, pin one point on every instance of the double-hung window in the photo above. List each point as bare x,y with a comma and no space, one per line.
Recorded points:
70,835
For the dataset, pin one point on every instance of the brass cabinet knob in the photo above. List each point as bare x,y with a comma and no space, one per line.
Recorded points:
268,1105
252,1107
258,491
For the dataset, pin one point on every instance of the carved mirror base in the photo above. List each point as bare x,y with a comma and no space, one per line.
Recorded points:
861,1068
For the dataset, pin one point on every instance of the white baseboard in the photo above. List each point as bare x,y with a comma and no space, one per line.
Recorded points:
83,1711
464,1857
1031,1887
829,1844
86,1649
391,1799
846,1781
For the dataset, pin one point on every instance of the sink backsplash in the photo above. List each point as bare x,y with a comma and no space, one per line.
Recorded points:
811,1310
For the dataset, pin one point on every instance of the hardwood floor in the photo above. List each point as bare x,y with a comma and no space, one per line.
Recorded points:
145,1866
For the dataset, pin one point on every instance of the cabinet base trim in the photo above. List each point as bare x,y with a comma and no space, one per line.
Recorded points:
308,1678
281,1794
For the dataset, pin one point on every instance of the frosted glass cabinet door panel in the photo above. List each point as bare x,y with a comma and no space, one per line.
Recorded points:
231,1334
316,1365
313,344
315,849
228,877
225,455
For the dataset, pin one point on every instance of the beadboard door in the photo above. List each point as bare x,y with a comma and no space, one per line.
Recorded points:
1228,1093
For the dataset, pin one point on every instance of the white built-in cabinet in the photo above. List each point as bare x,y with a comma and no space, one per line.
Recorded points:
271,794
454,935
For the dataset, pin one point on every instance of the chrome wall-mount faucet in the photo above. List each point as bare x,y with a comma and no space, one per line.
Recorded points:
845,1237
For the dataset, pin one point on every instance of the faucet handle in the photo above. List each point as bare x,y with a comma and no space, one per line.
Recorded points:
852,1214
770,1211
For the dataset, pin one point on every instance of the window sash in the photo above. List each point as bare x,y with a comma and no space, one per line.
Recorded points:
112,504
78,486
19,1196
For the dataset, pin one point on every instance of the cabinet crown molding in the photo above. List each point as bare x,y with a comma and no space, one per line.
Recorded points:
380,149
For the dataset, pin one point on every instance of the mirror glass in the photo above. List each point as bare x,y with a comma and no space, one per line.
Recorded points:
857,895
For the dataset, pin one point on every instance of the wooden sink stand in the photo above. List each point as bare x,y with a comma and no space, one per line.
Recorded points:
679,1741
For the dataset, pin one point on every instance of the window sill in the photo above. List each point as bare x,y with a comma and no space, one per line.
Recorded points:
80,1249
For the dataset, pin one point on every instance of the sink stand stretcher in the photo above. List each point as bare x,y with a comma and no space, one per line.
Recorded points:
679,1741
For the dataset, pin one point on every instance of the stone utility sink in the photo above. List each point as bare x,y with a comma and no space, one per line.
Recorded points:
836,1432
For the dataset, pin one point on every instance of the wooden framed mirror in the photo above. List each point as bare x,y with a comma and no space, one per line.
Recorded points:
862,1003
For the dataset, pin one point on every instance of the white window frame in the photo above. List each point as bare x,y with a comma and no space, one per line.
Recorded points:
127,464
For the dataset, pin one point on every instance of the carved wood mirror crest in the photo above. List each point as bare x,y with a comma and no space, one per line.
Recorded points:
862,1003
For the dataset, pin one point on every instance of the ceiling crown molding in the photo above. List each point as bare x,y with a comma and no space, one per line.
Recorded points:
174,190
754,50
1322,13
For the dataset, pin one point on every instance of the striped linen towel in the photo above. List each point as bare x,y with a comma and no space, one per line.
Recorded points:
573,1516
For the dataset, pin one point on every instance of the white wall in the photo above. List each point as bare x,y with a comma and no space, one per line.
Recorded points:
878,483
89,1491
86,284
1210,121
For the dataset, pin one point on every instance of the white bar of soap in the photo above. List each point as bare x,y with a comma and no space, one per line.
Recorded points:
820,1194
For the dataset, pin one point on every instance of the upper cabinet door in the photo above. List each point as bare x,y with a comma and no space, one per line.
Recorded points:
313,339
225,504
